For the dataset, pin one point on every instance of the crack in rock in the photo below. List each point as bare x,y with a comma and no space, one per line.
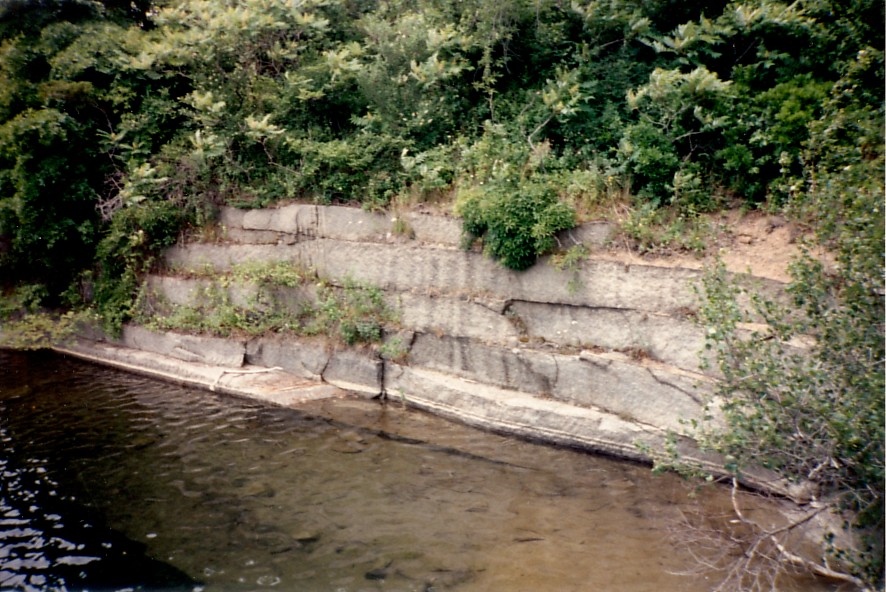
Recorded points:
695,398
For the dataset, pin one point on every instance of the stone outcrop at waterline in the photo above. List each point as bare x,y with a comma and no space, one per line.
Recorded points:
600,356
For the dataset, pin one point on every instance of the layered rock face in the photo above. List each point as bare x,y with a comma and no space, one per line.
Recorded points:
602,355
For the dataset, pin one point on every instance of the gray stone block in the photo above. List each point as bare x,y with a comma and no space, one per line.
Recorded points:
229,217
355,370
494,365
589,234
412,268
307,358
651,394
648,394
256,237
207,256
190,348
434,230
675,340
455,317
517,413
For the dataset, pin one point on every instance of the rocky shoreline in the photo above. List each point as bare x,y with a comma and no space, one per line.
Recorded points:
602,356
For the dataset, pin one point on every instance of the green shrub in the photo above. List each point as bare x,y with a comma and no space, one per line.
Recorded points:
23,299
132,240
815,414
517,224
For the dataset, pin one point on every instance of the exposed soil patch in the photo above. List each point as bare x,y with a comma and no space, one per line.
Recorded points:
754,242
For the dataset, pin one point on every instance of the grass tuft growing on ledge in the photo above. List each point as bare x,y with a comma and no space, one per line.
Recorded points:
262,298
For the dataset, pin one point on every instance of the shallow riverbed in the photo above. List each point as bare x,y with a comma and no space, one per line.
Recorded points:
113,481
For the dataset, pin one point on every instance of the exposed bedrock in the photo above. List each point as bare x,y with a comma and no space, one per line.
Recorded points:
434,270
602,355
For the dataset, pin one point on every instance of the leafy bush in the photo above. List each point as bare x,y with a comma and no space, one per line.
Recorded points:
26,324
517,224
815,417
253,102
134,237
23,299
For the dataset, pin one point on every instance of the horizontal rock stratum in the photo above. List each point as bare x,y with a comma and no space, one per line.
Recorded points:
603,356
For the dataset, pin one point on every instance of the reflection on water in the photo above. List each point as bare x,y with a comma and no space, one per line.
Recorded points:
47,541
113,482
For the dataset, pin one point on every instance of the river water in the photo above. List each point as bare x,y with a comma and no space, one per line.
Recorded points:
116,482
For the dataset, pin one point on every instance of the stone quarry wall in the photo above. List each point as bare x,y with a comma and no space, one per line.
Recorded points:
601,356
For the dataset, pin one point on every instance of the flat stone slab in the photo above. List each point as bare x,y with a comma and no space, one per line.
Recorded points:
270,385
669,338
298,222
306,359
460,317
188,348
408,268
520,414
643,392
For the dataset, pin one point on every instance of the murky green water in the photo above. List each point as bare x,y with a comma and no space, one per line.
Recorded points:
111,481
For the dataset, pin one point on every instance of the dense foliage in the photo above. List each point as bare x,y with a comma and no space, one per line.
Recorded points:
815,414
122,124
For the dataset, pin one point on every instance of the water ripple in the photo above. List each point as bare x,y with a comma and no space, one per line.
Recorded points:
112,481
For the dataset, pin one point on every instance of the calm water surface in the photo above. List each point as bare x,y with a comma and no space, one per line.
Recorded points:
116,482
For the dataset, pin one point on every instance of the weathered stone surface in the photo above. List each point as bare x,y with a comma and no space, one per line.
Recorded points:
229,217
435,230
662,337
264,219
200,256
589,234
459,317
521,414
343,223
197,292
316,359
672,339
257,237
310,221
355,370
409,268
353,224
456,317
176,290
499,366
652,394
190,348
202,292
265,384
648,394
307,358
518,413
